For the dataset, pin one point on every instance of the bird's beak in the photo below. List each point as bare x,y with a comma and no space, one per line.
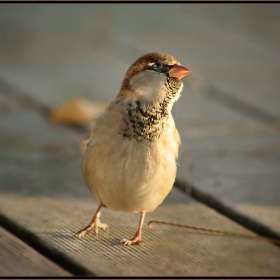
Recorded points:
178,71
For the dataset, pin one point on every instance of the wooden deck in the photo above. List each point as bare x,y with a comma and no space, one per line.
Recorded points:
228,117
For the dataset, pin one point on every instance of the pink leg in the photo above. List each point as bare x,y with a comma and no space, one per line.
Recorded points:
137,237
95,223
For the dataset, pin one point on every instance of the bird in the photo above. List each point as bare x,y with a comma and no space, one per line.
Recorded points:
130,161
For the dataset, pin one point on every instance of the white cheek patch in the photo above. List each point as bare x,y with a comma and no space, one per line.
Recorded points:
148,85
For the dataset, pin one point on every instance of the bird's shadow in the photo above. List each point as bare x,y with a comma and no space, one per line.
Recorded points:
115,242
73,236
62,235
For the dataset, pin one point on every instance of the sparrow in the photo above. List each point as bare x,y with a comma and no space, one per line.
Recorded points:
130,161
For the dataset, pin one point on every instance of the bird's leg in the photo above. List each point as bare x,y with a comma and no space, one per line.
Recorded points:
95,223
137,237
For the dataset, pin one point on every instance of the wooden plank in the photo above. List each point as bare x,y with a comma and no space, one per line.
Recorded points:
18,259
228,155
166,251
239,164
50,200
40,162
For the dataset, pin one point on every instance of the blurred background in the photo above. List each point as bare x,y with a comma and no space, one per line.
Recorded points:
228,115
55,51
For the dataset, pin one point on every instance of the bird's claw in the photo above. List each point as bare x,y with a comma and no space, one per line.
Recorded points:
87,229
128,242
83,232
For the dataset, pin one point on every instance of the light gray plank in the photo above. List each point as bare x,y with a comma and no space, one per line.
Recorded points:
50,199
237,164
89,52
54,61
166,251
18,259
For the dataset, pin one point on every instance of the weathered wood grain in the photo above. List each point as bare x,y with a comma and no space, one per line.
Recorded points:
18,259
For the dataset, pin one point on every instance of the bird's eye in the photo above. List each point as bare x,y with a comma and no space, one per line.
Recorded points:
157,65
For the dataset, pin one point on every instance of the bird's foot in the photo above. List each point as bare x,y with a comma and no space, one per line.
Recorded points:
134,241
95,225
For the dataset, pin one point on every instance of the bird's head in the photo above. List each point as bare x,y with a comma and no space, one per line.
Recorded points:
152,77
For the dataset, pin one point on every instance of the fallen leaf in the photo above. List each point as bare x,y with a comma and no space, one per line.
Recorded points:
78,111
